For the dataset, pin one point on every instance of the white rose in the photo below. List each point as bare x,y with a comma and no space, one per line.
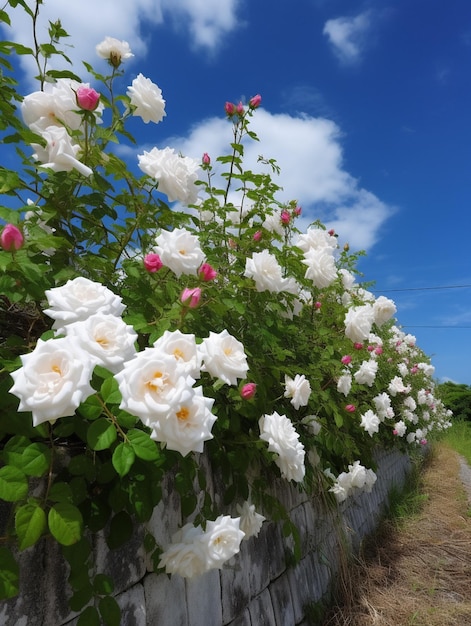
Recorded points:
146,98
114,50
348,279
383,309
55,106
53,380
282,438
410,403
316,238
344,383
184,348
180,251
382,404
370,422
311,422
221,539
186,555
298,389
250,521
370,480
78,299
175,174
321,268
266,272
224,357
397,386
60,153
358,322
357,475
108,340
152,384
187,425
366,373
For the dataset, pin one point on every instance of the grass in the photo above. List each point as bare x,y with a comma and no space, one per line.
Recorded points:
416,570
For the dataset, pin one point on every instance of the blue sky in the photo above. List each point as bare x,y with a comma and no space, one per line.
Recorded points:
366,105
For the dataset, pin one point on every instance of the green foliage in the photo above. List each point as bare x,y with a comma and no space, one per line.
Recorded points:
457,398
100,469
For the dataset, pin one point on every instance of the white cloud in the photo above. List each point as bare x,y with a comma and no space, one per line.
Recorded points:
89,21
347,36
309,153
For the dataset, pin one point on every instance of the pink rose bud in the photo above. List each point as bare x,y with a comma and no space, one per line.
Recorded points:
414,370
206,159
11,238
257,236
423,442
87,98
379,350
248,391
351,408
152,262
285,217
240,109
370,348
395,432
254,102
331,232
297,211
317,305
358,346
191,297
346,359
207,272
229,108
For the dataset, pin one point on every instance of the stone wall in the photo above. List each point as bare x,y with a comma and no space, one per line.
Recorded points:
262,586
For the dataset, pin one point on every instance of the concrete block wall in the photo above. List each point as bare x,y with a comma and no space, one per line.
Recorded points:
259,587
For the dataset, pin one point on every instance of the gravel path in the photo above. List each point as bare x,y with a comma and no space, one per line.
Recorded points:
465,475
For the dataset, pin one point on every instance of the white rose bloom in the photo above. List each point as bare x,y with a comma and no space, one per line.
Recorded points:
283,439
344,383
298,389
175,174
410,416
108,340
427,369
54,379
312,423
266,272
339,491
348,279
358,322
422,396
410,403
397,386
316,238
370,480
146,98
224,357
321,268
370,422
60,154
383,407
400,428
78,299
384,309
274,224
221,540
187,425
114,50
410,437
366,373
152,384
184,348
180,251
357,475
250,521
186,555
403,369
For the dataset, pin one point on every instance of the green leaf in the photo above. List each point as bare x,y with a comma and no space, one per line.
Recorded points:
121,530
13,484
144,447
110,611
103,584
89,617
30,523
83,595
9,574
60,492
110,391
65,523
36,459
123,458
101,434
92,408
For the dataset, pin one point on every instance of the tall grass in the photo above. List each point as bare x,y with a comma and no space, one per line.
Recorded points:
459,438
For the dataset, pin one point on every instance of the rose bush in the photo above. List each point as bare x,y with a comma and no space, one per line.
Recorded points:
138,338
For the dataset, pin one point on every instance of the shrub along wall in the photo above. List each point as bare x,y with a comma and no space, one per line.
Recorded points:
262,585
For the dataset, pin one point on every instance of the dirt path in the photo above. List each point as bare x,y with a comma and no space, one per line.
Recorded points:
419,573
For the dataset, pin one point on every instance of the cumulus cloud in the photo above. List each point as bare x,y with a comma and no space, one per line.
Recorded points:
89,21
348,36
309,153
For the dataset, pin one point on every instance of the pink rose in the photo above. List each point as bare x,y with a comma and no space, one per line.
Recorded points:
351,408
11,238
191,297
87,98
346,359
254,102
207,272
229,108
152,262
248,391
